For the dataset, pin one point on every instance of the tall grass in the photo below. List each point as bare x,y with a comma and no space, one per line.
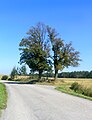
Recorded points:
80,87
3,96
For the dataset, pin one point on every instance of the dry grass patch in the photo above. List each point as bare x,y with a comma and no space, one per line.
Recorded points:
1,76
84,90
22,77
84,82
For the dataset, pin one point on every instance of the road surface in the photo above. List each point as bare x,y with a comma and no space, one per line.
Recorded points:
35,102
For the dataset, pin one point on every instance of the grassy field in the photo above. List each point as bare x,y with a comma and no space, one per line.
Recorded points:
84,82
69,81
3,96
64,84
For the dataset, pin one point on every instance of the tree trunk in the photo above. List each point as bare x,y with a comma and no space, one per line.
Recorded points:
56,74
40,74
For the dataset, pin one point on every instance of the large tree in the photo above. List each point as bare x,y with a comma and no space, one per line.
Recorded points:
35,49
64,55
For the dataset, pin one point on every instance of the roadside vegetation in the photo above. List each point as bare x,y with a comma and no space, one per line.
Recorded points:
0,76
4,77
77,87
3,96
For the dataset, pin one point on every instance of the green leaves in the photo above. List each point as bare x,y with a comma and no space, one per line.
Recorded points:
35,49
64,54
14,73
43,46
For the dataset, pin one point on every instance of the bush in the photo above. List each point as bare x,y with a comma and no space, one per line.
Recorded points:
4,77
75,86
9,79
88,92
81,89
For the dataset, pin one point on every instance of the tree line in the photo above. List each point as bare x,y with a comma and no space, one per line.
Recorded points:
44,49
76,74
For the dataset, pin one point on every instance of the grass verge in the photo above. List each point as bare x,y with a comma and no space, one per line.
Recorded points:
66,89
3,96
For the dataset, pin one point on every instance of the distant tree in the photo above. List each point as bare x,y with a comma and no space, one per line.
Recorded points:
22,70
90,74
76,74
14,73
64,54
4,77
35,49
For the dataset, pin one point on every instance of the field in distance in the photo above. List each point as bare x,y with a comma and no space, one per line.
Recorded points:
62,81
82,81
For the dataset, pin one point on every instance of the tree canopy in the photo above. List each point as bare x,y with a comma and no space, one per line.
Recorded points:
64,55
35,49
43,48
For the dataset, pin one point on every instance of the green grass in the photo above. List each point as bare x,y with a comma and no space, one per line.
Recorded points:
3,96
66,89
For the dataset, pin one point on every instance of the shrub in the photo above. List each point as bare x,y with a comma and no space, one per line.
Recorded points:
75,86
9,79
81,89
88,92
4,77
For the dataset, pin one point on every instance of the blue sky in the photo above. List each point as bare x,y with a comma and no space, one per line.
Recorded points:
71,18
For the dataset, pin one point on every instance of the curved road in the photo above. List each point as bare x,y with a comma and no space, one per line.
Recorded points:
35,102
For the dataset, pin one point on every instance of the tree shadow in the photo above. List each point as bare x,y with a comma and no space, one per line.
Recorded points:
21,82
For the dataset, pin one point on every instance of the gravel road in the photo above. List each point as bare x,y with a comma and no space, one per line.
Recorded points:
35,102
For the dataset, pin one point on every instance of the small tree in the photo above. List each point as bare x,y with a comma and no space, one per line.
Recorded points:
64,55
35,49
23,70
14,73
4,77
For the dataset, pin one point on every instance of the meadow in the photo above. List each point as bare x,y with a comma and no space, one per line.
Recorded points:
69,81
84,82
